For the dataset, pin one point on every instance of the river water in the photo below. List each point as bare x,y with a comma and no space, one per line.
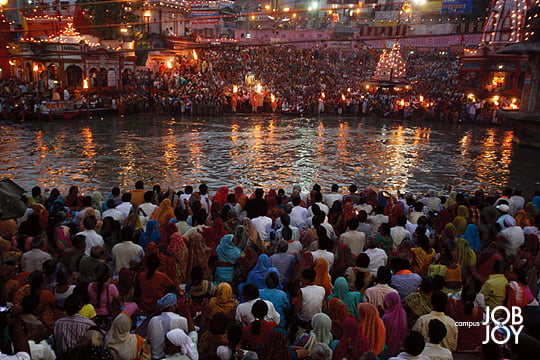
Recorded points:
267,151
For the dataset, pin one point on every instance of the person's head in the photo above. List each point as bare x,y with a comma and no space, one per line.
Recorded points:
188,189
36,191
282,246
379,210
115,191
37,242
423,241
259,193
126,234
353,188
324,241
353,223
398,264
418,206
111,204
334,188
139,184
36,280
436,331
439,301
317,188
234,335
362,216
79,242
250,292
73,304
87,201
362,260
321,351
97,252
30,303
152,264
148,196
90,222
181,214
308,276
402,220
259,311
371,242
203,189
167,303
499,266
200,217
126,197
438,282
384,275
426,286
317,197
295,200
271,280
231,198
414,343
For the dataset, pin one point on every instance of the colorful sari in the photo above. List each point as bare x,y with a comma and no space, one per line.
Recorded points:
224,302
351,299
473,237
179,251
199,255
163,214
395,322
372,327
421,260
151,235
322,278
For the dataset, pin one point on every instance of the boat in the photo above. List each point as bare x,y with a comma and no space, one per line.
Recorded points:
64,109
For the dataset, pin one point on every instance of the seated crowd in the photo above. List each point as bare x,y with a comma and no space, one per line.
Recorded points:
171,274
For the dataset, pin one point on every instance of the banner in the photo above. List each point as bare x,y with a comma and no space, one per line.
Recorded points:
456,7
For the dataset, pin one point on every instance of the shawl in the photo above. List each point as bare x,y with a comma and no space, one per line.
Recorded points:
277,347
179,250
321,330
522,219
421,260
530,209
220,198
352,339
55,194
345,259
241,198
372,327
395,322
166,231
213,234
351,299
322,278
179,338
348,214
163,213
257,276
150,235
473,237
464,254
226,251
120,340
199,255
97,197
224,301
337,310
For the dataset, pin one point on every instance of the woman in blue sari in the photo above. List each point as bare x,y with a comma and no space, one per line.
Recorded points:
227,256
351,299
257,276
472,236
150,235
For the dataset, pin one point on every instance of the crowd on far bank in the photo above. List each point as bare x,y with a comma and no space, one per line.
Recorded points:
292,81
141,274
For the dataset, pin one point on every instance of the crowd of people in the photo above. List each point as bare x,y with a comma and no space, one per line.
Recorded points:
181,274
272,79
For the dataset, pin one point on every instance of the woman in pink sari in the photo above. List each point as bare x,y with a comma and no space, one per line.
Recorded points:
395,322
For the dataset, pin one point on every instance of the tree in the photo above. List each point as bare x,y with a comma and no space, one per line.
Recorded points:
108,14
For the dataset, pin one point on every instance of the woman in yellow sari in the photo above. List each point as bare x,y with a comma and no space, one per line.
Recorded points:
460,221
224,302
163,214
464,254
122,344
422,256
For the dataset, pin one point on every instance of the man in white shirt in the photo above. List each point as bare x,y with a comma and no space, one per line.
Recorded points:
146,209
298,214
244,317
323,244
262,223
377,257
354,239
378,219
123,252
112,212
329,199
310,297
87,206
34,259
434,350
318,200
125,207
160,325
92,237
413,346
399,232
188,191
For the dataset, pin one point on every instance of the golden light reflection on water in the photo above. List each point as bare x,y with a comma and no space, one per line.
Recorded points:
262,151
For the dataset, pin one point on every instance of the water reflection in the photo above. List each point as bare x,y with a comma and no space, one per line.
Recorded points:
264,151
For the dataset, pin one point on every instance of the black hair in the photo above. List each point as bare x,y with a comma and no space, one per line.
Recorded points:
73,304
309,274
318,197
402,220
379,209
259,193
90,222
234,335
426,286
353,188
127,233
414,343
259,311
181,214
362,260
111,204
115,191
35,279
36,191
295,200
200,217
104,274
439,301
271,280
324,241
139,184
148,196
423,241
436,331
499,266
231,198
87,201
78,240
438,282
384,276
152,264
188,189
126,197
397,264
250,291
362,216
203,189
353,223
385,229
418,206
334,188
30,303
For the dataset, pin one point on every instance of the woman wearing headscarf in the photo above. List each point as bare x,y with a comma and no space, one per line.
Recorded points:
345,259
199,254
220,198
422,256
72,199
166,233
55,194
451,200
227,255
531,211
277,347
167,263
122,343
473,237
178,249
321,332
213,234
351,299
97,201
150,235
241,198
214,337
351,345
395,322
223,302
257,276
338,313
163,214
322,278
306,261
466,257
186,344
372,327
522,219
460,221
